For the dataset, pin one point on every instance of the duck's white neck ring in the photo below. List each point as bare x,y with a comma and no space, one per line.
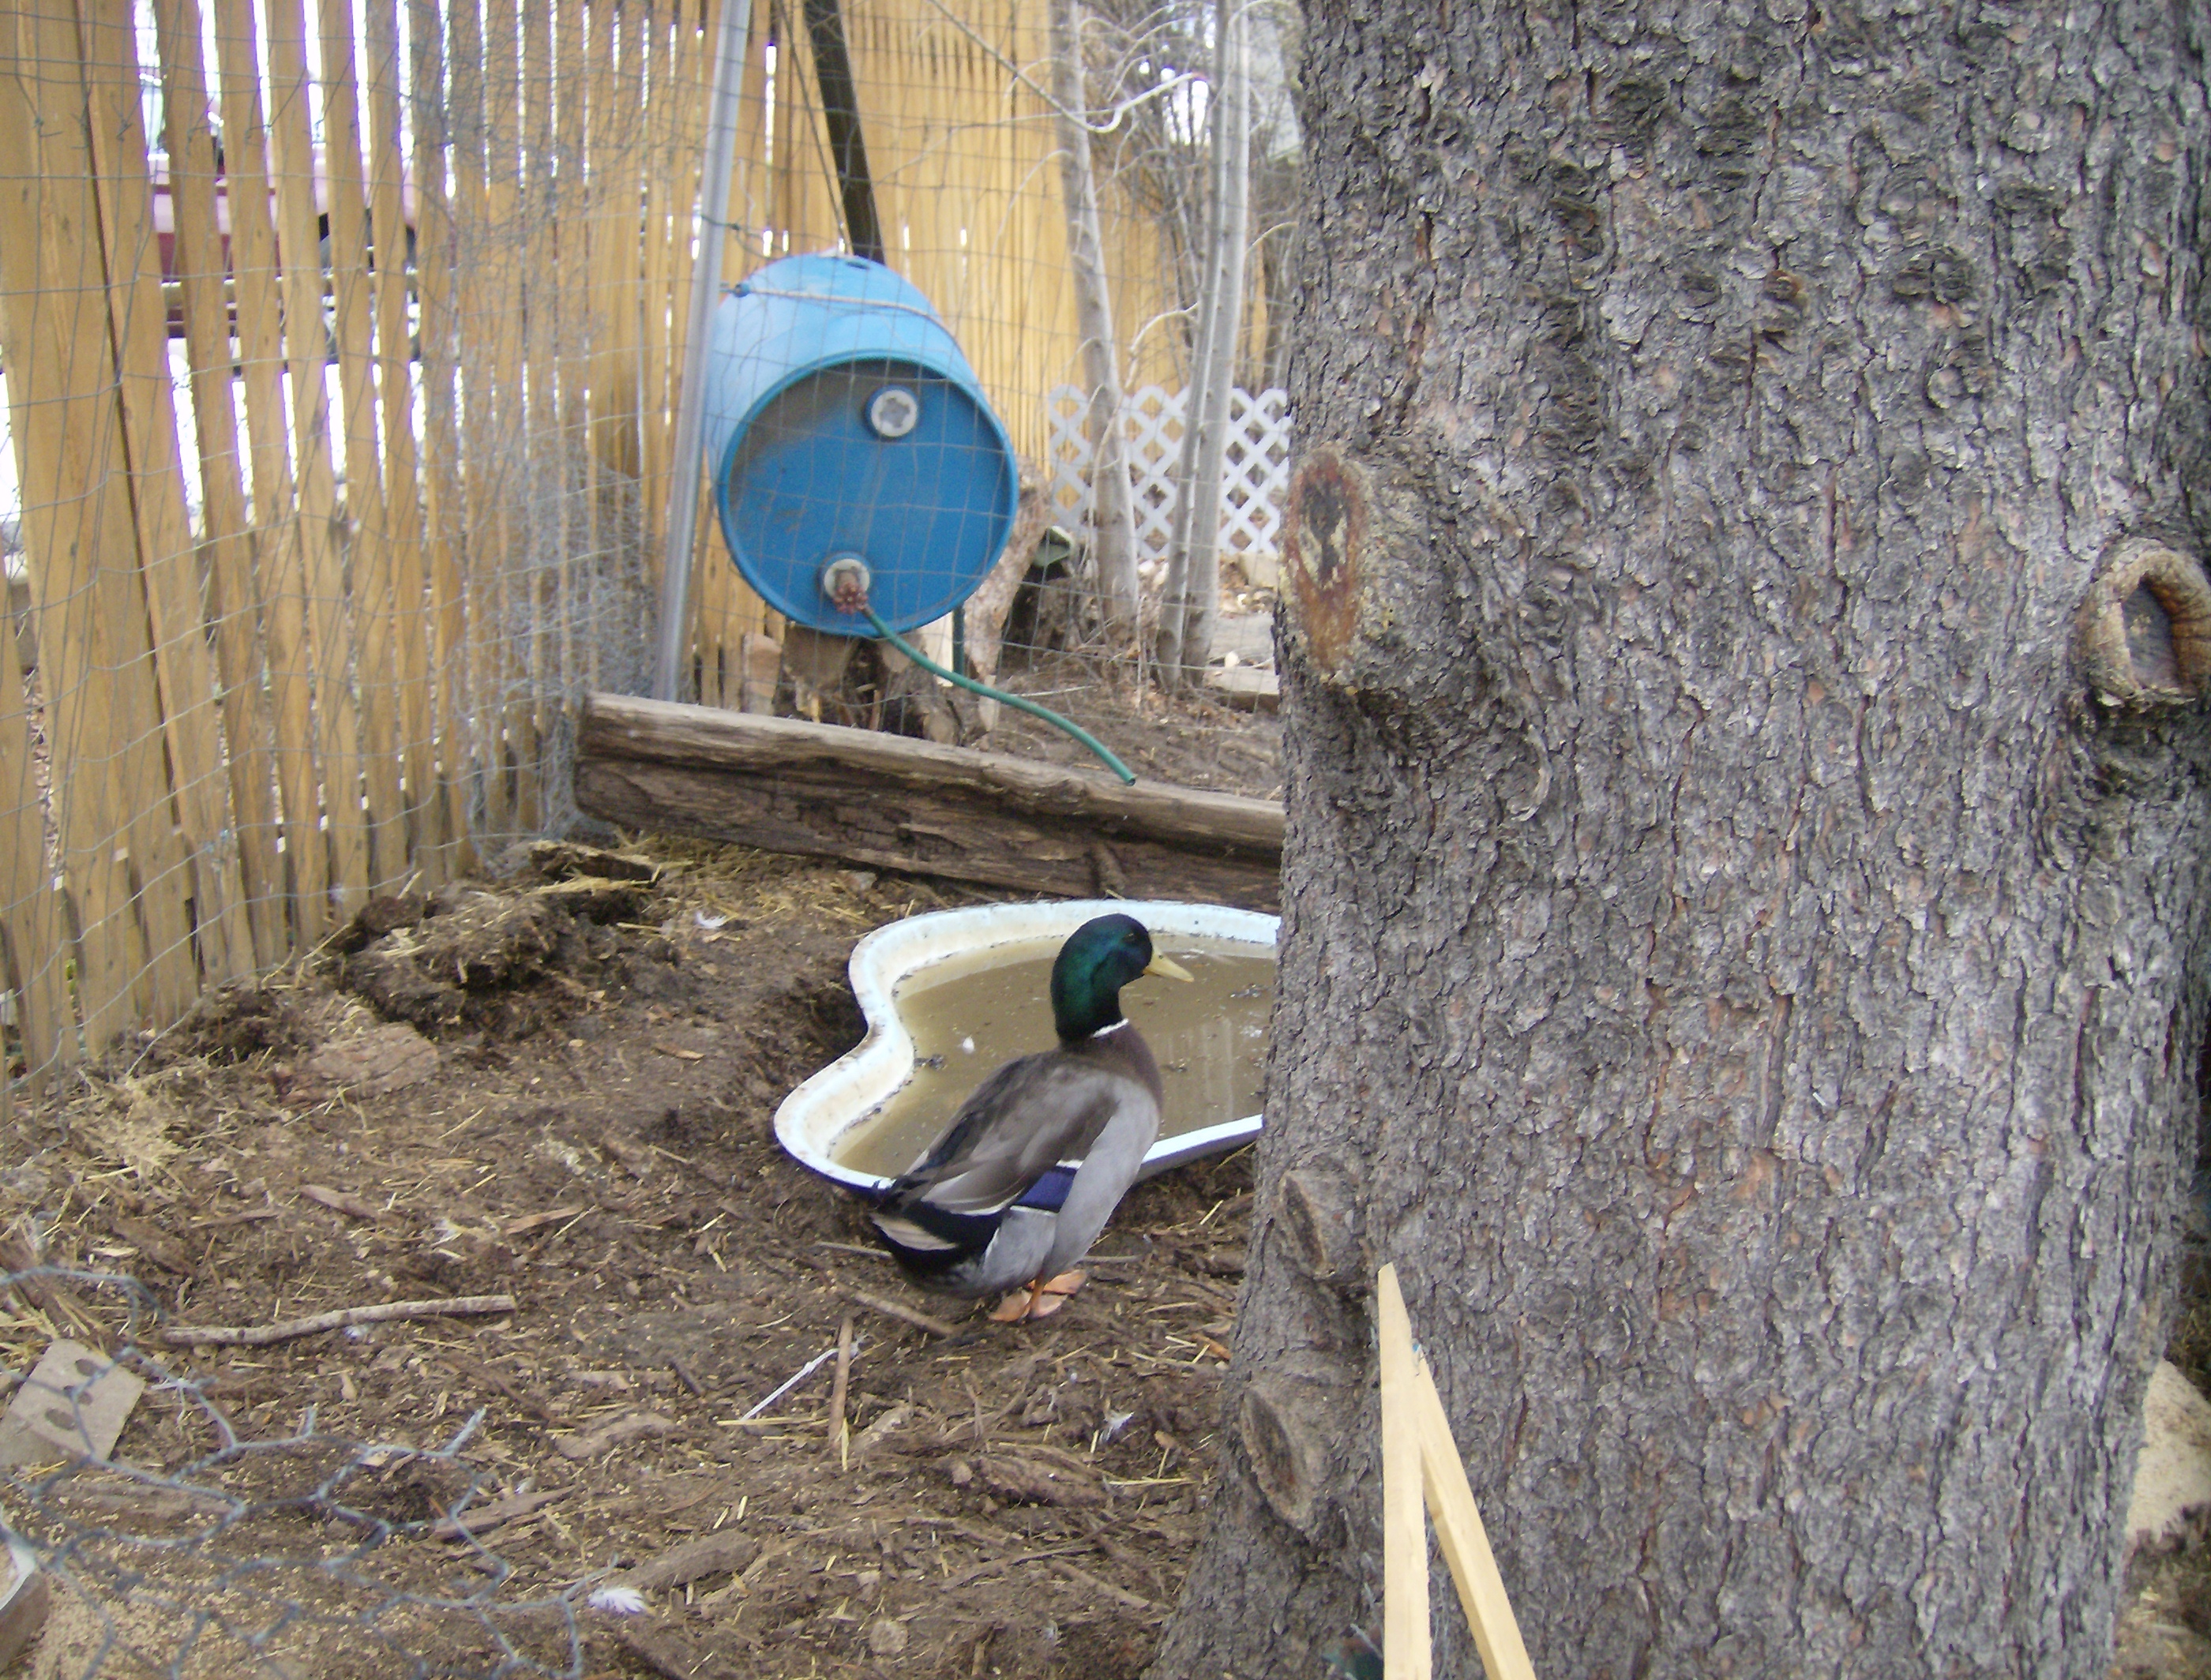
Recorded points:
1107,1031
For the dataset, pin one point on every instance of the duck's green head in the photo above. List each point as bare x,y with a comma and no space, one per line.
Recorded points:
1099,957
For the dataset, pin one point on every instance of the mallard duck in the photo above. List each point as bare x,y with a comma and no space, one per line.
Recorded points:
1036,1161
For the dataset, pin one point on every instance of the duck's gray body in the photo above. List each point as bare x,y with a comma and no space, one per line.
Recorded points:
975,1216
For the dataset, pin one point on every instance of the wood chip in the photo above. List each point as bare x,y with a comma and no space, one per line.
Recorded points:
630,1426
660,1654
680,1053
151,1241
636,1158
529,1222
1134,1601
722,1553
1029,1483
903,1313
252,1215
23,1600
339,1202
530,1403
839,1388
52,1296
494,1514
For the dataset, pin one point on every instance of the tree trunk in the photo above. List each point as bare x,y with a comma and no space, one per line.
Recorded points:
1113,536
1744,900
1190,603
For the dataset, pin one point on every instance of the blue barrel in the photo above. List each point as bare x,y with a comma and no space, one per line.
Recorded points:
841,421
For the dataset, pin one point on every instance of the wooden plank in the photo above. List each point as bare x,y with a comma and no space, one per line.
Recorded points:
501,652
306,352
445,825
610,120
572,86
31,910
75,523
234,603
1464,1541
33,942
283,588
371,571
615,234
662,169
1405,1626
183,668
159,871
479,744
537,584
887,801
402,509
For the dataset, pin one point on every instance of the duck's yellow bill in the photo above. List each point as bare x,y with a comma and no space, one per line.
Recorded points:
1169,968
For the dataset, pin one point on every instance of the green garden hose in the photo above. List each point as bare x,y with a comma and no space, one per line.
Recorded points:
998,694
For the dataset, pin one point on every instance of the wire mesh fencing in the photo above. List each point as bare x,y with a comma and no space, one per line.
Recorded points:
343,347
227,1543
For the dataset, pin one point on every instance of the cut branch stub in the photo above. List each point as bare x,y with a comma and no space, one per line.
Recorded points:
1320,1218
1324,537
1285,1443
2145,628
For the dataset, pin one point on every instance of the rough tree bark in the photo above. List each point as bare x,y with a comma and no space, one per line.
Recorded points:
1744,894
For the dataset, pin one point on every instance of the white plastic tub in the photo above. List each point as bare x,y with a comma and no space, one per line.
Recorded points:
815,1119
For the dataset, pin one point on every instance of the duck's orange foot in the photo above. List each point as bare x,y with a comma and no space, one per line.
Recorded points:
1018,1305
1053,1292
1041,1299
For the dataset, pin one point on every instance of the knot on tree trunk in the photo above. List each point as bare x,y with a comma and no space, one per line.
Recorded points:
2145,628
1284,1430
1320,1221
1324,539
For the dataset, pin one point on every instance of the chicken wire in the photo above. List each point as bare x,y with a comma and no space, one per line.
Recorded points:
284,1551
312,559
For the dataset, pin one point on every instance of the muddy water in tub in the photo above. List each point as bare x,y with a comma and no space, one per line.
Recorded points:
971,1014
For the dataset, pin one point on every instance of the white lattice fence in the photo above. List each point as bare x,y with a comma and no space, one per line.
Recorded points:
1252,475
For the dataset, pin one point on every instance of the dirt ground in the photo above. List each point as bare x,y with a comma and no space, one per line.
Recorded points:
559,1089
562,1091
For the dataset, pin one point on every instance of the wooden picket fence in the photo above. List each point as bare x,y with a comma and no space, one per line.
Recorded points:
342,410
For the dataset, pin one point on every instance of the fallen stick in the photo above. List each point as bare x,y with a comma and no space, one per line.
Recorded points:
467,1367
493,1513
627,1428
259,1335
990,1565
839,1388
1083,1577
904,1315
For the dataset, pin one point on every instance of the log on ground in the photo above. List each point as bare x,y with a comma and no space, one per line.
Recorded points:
885,801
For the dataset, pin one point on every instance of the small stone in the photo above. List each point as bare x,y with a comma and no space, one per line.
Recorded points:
887,1638
960,1472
